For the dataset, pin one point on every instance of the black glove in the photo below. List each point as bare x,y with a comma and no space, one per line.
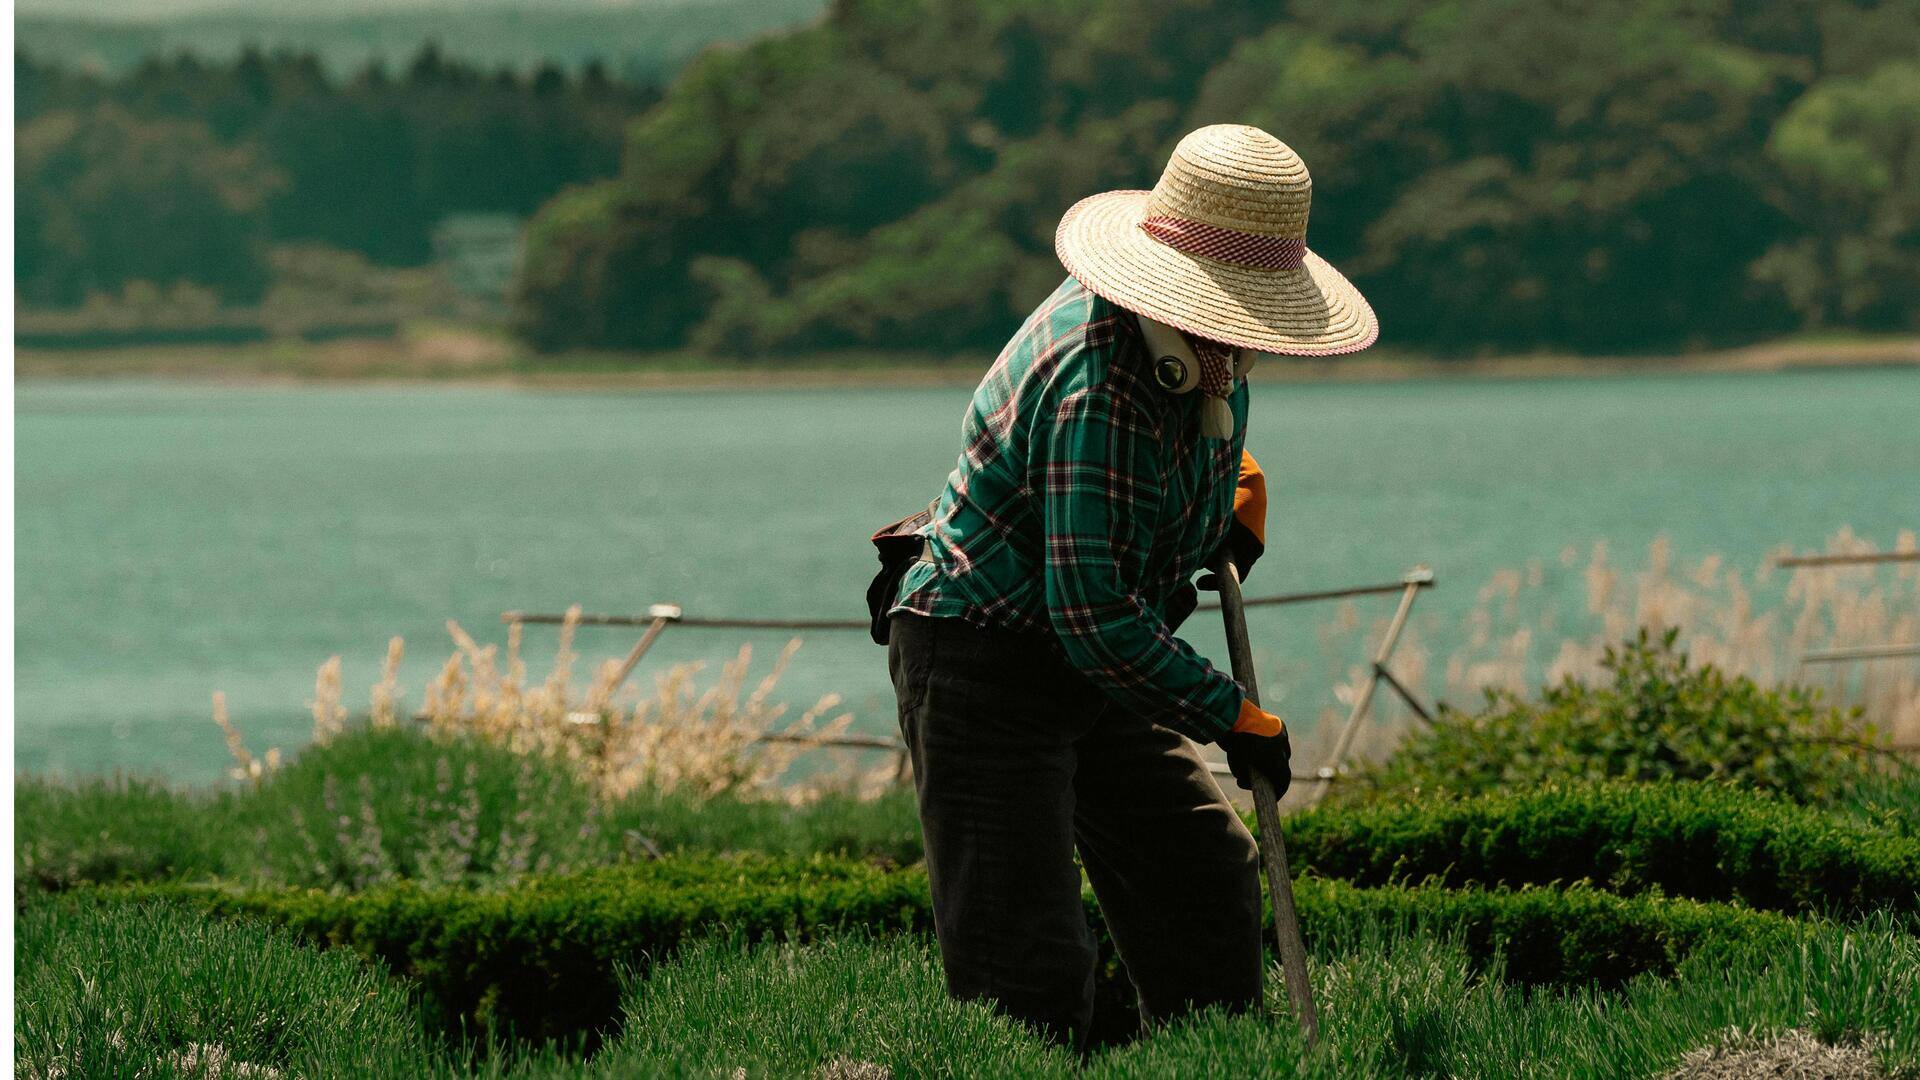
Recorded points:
1251,755
1246,549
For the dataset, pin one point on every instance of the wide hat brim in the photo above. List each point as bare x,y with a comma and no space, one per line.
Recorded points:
1312,310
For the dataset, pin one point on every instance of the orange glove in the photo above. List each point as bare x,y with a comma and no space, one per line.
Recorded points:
1250,498
1258,746
1247,532
1257,721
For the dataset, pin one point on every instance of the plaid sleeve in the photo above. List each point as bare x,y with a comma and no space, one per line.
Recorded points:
1100,489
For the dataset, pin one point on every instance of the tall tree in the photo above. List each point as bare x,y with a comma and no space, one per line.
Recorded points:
104,199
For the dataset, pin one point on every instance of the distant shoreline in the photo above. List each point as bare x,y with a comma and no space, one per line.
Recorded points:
458,356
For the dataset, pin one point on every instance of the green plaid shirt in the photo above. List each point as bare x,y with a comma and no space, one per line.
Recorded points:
1085,495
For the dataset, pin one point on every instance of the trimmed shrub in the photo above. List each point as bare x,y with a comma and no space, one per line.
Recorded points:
371,805
375,805
154,990
541,959
1659,719
1579,936
885,828
1703,841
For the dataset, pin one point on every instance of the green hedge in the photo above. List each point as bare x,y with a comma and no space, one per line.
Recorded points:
1701,841
1580,936
543,959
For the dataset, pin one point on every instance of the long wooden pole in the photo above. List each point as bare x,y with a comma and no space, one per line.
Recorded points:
1849,560
1266,808
654,630
1360,705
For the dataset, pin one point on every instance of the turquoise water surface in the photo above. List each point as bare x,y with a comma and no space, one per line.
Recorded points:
175,540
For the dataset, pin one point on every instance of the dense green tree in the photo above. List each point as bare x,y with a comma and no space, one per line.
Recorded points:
370,164
1610,175
868,135
1528,174
1849,156
103,199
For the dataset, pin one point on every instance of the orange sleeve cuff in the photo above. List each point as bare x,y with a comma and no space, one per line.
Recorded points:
1257,721
1250,498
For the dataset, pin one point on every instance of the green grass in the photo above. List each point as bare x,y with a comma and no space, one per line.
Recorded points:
1888,801
107,990
374,806
114,829
1416,1006
783,1011
540,961
368,807
456,812
1392,1005
1412,982
522,921
145,989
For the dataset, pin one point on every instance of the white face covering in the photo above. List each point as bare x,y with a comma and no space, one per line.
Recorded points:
1184,363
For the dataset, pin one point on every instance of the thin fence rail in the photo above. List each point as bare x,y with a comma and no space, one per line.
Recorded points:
1863,652
1862,559
1420,577
1856,654
658,617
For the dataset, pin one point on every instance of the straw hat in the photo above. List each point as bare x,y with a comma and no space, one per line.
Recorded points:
1218,249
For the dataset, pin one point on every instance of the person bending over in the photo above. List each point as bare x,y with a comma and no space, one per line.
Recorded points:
1046,704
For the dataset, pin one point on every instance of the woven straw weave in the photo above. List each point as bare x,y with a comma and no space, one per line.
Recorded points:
1230,177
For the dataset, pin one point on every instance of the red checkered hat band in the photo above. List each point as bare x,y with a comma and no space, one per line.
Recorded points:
1227,245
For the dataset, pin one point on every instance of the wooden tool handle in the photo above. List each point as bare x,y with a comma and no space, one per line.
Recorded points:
1266,809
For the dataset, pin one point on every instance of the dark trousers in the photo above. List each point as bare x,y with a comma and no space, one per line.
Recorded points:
1019,761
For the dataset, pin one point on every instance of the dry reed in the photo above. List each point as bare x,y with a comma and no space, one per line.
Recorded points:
1759,622
676,738
679,737
329,716
246,768
384,701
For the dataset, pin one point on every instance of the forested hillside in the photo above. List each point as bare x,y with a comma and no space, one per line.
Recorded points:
637,40
1494,173
188,170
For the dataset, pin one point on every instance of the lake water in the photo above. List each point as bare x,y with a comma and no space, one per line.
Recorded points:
175,540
